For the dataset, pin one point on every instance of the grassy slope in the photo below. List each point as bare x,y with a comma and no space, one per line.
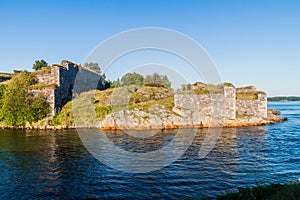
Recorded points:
139,98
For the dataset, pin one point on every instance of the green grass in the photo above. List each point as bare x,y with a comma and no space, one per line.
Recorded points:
289,191
65,117
167,103
40,86
102,111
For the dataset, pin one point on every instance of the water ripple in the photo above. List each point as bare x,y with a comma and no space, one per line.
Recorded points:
55,165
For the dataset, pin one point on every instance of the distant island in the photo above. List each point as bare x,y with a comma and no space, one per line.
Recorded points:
284,98
42,100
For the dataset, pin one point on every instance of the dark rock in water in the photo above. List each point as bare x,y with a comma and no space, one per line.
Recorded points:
274,112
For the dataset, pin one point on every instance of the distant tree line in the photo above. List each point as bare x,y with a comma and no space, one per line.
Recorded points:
291,98
154,80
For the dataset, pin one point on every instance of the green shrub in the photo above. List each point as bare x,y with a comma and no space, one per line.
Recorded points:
18,105
261,192
102,111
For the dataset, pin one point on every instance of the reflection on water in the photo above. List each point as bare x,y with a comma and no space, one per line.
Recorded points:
56,165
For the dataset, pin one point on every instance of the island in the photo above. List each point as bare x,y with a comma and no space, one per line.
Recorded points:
79,97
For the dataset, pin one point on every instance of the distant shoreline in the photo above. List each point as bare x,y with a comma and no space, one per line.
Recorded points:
283,99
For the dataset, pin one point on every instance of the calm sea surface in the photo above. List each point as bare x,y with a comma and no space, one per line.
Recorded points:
56,165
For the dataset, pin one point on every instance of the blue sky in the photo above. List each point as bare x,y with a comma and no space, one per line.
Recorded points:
251,42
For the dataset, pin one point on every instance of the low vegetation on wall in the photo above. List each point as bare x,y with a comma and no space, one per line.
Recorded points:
41,86
248,93
202,88
43,70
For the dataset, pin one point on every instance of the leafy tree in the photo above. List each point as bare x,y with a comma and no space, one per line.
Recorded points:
103,83
157,80
38,108
19,106
39,64
2,89
132,79
115,84
165,81
93,66
14,99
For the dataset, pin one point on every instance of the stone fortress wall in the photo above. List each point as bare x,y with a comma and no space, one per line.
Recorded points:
202,105
197,103
63,76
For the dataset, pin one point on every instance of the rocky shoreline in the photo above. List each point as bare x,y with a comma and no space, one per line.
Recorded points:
114,122
175,122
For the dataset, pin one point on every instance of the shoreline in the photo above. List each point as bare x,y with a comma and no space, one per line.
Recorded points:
273,119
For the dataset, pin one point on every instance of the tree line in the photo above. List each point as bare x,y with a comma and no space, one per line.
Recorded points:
291,98
154,80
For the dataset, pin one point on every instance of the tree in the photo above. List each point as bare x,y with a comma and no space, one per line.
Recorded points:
132,79
157,80
165,81
19,106
2,89
93,66
38,107
39,64
115,84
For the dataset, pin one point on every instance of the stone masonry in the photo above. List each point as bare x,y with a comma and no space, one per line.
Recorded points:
64,77
204,108
252,108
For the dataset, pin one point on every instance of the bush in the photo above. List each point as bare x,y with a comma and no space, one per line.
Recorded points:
102,111
157,80
261,192
132,79
18,105
38,108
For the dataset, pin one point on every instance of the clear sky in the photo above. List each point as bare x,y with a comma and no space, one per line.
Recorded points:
251,42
